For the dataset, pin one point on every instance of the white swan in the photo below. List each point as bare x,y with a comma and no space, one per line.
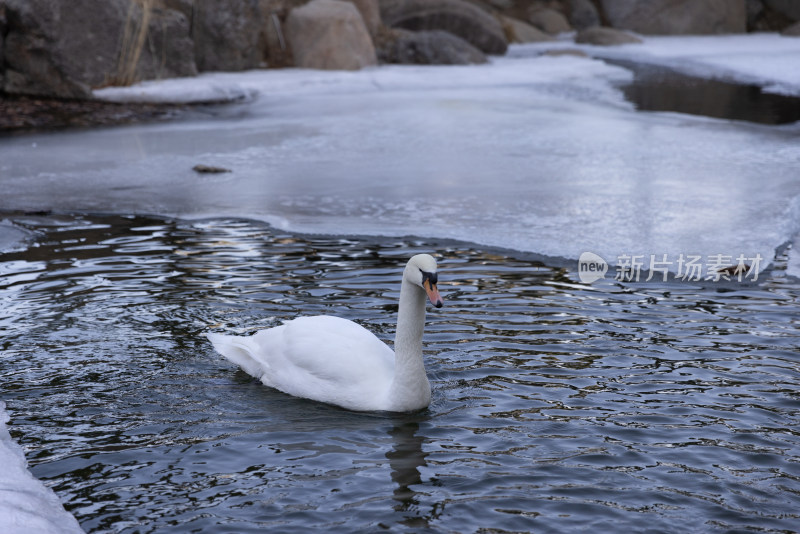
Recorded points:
336,361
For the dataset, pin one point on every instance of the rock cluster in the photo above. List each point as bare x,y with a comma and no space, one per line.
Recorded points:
64,49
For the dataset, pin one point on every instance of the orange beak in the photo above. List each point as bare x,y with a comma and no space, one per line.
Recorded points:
433,293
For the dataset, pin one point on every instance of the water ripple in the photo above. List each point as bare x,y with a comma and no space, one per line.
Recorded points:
556,407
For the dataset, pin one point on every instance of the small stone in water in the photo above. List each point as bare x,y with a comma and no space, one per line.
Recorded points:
209,169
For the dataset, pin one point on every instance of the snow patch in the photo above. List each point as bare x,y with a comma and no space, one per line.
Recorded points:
27,506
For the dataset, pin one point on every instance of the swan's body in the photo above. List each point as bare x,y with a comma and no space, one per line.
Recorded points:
339,362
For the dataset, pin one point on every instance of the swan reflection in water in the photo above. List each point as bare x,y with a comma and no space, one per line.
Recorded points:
405,459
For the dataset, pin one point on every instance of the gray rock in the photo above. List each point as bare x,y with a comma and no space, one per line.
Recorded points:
676,17
458,17
34,65
435,47
605,37
792,31
501,4
583,14
186,7
753,10
763,18
788,8
329,34
99,55
549,20
54,48
228,35
518,31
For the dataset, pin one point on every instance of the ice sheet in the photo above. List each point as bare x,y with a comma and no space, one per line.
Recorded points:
538,154
27,506
768,60
12,237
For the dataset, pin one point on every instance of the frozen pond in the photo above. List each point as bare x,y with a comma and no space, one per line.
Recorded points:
557,405
537,154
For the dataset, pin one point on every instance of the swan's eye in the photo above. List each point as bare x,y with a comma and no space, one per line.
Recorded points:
432,278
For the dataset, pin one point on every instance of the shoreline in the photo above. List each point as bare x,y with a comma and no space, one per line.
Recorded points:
22,114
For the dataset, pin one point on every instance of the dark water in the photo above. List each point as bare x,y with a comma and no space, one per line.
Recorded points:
656,88
556,407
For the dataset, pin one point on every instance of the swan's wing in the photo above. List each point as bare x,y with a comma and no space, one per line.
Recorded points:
323,358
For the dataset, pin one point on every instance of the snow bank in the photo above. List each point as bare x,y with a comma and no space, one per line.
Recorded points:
231,86
26,505
768,60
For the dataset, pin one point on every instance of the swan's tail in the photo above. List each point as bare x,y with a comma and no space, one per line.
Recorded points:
239,350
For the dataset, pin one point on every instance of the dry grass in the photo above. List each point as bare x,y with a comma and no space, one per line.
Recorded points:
134,37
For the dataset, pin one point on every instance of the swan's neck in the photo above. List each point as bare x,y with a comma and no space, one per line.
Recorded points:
410,382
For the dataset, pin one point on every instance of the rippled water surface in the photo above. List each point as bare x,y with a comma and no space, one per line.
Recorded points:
556,407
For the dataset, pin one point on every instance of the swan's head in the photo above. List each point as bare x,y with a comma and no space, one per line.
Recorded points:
421,271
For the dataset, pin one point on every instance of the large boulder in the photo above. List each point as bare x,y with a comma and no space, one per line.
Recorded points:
763,16
371,13
788,8
674,17
53,48
329,34
549,20
435,47
605,37
228,35
458,17
33,63
754,10
518,31
583,14
792,31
